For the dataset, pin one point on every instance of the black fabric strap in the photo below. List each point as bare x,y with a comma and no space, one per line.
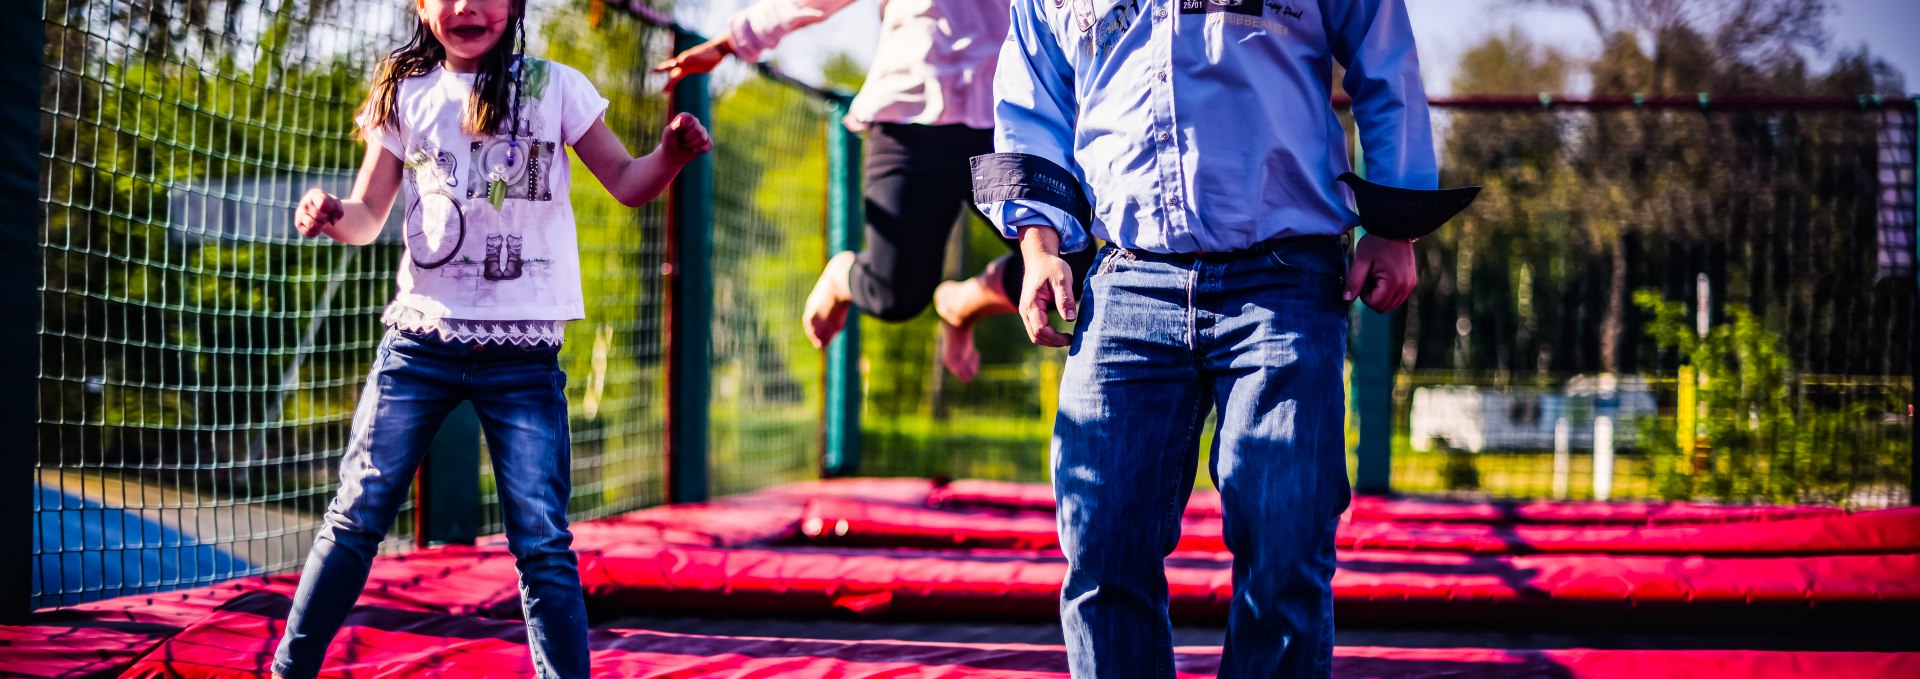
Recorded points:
1001,177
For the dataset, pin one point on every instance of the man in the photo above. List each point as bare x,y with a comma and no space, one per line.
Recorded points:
1198,138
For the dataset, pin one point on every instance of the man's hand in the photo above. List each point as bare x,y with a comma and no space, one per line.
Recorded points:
317,211
1382,274
1048,282
685,139
701,58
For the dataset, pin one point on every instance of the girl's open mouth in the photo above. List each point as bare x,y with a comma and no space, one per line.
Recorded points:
469,32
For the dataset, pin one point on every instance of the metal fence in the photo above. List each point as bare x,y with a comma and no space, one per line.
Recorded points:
198,363
1730,287
1777,234
1727,285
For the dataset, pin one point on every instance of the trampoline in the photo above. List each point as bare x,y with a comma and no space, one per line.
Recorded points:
904,550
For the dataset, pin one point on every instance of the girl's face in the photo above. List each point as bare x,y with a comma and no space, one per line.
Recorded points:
468,28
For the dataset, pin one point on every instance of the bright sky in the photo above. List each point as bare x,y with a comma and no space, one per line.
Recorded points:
1444,29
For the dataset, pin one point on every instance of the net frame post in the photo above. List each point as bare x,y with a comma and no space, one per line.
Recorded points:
840,449
689,331
447,492
20,281
1913,358
1372,379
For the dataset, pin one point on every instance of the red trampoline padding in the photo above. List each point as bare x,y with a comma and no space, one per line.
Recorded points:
1372,508
87,639
708,525
841,521
238,641
852,522
897,490
1039,497
77,650
1564,591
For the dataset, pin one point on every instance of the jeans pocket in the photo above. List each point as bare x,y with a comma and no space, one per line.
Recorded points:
1110,261
416,337
1328,263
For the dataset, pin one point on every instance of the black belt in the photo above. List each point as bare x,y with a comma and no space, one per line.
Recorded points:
1260,249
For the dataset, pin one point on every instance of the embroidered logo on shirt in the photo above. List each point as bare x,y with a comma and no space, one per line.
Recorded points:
1284,10
1246,7
1083,14
1098,36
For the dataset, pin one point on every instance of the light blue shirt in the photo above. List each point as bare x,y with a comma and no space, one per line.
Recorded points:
1207,125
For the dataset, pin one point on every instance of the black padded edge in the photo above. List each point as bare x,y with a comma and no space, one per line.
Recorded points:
1404,214
1001,177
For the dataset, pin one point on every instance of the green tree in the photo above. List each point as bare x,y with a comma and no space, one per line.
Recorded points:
1763,438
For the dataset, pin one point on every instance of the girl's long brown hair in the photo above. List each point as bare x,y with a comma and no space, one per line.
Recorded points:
494,96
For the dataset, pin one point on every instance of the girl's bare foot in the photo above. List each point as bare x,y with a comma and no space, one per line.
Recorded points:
960,305
826,310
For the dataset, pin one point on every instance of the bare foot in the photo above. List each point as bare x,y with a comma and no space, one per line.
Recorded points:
960,305
956,343
827,304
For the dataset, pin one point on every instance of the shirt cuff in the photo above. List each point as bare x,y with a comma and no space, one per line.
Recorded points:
1010,215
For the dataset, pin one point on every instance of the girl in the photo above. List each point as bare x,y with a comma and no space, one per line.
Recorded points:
479,131
927,108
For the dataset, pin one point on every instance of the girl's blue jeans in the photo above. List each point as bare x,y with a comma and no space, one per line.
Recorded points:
519,394
1260,337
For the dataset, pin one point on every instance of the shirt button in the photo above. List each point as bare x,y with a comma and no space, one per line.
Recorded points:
1163,76
1164,136
1173,201
1162,14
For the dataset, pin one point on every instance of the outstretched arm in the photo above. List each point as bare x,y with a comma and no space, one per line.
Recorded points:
635,181
356,220
751,31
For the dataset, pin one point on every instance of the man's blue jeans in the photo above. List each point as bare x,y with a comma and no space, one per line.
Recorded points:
519,394
1161,340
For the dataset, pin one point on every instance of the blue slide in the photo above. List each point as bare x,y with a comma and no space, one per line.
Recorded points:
88,551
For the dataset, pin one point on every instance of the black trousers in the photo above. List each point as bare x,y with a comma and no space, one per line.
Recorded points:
918,180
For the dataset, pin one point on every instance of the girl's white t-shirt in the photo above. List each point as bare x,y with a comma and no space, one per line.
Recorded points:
491,253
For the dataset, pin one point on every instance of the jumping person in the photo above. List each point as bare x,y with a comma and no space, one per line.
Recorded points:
479,131
1199,139
926,108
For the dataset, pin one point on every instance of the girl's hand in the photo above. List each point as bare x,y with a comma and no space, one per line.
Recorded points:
317,211
702,58
685,139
